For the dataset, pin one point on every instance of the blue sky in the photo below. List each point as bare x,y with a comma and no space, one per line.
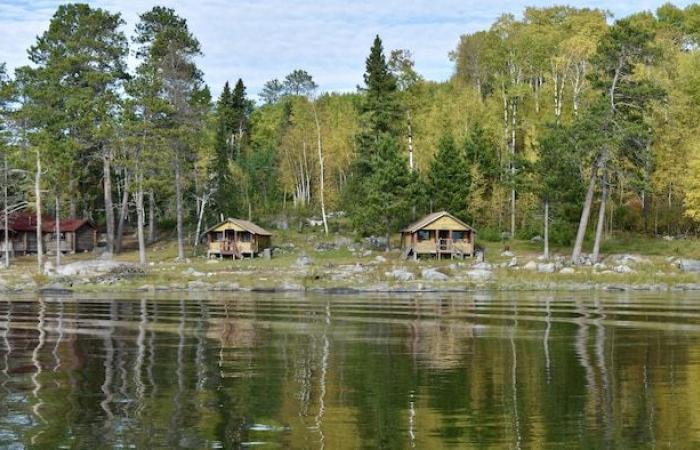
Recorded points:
265,39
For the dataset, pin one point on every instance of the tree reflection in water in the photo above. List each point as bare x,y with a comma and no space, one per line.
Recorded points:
482,370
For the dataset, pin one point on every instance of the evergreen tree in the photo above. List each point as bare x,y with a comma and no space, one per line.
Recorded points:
167,50
390,191
448,179
272,91
380,110
379,123
299,82
222,153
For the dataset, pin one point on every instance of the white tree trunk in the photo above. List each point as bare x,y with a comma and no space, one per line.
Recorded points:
512,170
37,193
109,206
321,175
200,217
601,216
123,212
546,228
585,214
179,211
6,213
57,231
140,213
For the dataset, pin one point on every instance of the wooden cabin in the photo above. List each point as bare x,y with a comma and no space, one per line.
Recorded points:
75,235
237,238
440,235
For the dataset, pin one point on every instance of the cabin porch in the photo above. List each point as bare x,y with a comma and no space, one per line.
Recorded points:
232,243
439,243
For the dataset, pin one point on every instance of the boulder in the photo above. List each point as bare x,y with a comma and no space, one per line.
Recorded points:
482,266
689,265
507,254
531,265
380,259
89,268
303,261
226,286
400,274
323,246
194,285
375,242
546,267
190,272
537,238
290,286
628,259
567,271
480,275
513,262
431,274
622,268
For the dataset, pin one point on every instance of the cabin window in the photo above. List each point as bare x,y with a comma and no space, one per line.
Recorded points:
219,236
459,235
61,236
423,235
245,237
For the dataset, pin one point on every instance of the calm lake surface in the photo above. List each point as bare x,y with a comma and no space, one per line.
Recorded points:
484,370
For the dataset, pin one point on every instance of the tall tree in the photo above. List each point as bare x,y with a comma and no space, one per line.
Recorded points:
449,179
272,91
380,116
168,47
626,45
79,66
299,82
391,190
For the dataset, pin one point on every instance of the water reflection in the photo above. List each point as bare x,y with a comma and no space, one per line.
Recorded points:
484,370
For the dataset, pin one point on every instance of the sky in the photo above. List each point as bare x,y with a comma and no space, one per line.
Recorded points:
258,40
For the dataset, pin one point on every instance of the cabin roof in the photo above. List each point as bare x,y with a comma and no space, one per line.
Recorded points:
26,222
430,218
245,224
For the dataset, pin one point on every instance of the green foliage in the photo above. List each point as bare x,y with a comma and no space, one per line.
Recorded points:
389,192
380,112
449,179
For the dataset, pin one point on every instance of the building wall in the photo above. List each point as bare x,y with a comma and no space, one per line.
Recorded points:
85,239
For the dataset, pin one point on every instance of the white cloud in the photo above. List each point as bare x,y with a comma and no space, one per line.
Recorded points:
265,39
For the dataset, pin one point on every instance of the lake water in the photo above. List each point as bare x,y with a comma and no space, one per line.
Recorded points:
483,370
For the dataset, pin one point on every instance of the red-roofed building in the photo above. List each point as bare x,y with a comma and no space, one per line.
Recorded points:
75,235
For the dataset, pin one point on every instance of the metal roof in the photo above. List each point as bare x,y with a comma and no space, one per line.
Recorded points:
245,224
430,218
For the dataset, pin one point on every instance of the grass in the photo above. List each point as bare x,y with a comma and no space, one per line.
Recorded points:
334,267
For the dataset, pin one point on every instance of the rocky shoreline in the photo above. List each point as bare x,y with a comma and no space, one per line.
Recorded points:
378,274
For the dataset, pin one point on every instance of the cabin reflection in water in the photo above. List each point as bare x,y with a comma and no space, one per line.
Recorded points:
484,370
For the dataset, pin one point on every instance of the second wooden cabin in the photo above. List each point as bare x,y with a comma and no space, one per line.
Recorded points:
439,234
75,235
237,238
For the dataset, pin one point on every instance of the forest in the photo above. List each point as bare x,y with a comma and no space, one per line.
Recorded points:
564,123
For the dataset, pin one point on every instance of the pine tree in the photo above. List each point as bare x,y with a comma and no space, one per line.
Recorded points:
379,123
390,192
222,153
380,111
449,179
